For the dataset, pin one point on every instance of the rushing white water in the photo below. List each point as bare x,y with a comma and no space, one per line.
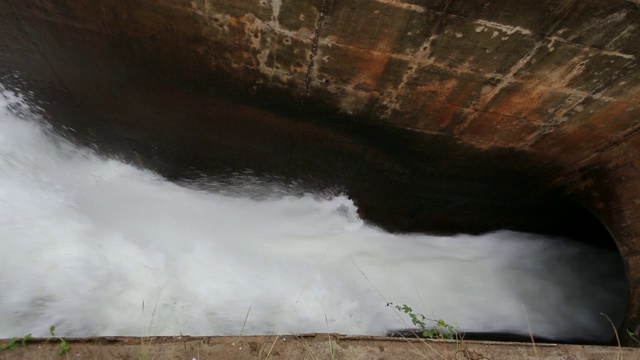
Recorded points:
98,247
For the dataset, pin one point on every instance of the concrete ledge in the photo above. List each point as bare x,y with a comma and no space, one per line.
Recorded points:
307,346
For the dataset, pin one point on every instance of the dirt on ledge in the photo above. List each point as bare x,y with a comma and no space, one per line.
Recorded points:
308,346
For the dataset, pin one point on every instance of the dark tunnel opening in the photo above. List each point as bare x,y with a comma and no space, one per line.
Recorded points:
401,181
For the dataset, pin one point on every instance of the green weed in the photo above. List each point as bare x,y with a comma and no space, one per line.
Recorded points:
439,330
64,347
15,342
633,337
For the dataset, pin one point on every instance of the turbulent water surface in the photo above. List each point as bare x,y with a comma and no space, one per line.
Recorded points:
99,247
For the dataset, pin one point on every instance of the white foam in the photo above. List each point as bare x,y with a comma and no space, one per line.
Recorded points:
98,247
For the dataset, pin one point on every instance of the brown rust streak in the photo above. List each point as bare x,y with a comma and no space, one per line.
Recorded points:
420,58
495,130
587,140
506,80
520,104
371,68
459,71
446,116
600,122
239,34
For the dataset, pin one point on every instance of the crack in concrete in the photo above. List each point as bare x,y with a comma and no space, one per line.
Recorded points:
510,77
326,4
508,29
596,25
602,51
560,118
504,81
404,5
412,58
415,64
623,34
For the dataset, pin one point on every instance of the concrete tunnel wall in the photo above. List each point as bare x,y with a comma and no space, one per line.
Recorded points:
537,99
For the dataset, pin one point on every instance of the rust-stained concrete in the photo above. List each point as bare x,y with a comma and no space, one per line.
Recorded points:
314,346
435,115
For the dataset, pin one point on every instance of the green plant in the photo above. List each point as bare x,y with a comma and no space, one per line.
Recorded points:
439,330
632,336
15,342
64,346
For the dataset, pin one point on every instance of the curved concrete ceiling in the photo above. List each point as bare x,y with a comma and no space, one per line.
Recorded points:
547,92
